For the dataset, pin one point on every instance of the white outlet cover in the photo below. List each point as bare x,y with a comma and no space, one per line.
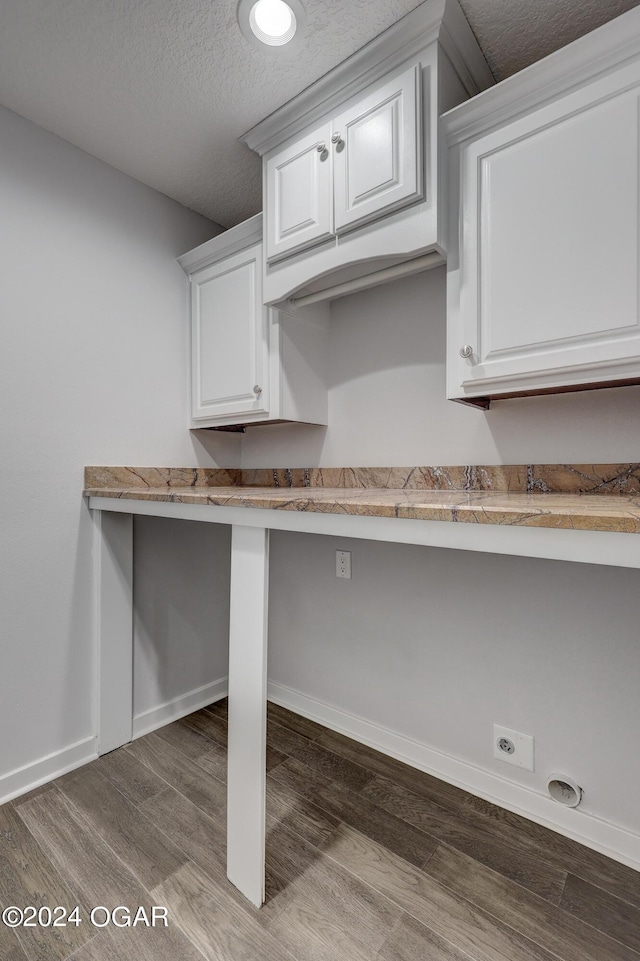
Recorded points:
523,755
343,564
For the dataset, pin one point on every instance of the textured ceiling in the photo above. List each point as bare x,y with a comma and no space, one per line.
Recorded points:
516,33
162,89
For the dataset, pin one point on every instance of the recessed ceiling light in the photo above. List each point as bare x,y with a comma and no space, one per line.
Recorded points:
271,22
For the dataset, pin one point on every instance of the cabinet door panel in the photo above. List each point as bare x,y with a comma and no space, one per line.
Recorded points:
298,189
550,274
229,338
378,163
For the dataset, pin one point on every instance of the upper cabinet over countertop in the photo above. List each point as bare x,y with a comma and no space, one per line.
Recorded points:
250,364
364,163
543,271
352,184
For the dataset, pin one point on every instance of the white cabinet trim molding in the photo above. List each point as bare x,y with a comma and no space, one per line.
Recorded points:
224,245
405,39
605,49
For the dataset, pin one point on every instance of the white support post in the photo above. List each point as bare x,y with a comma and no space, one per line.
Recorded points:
246,781
113,558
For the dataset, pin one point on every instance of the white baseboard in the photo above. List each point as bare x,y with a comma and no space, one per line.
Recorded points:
609,839
179,707
25,779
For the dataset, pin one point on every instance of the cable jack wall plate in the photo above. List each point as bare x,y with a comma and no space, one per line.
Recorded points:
513,747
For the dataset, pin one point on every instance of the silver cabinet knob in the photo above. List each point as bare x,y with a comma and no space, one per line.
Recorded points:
321,147
257,389
466,351
336,139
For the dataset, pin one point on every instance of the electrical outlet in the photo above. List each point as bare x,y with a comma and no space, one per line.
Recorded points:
513,747
343,564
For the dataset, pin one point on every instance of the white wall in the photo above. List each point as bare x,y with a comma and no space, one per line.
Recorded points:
437,645
181,610
387,400
93,361
93,370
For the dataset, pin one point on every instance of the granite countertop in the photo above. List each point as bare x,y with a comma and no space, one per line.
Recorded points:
603,497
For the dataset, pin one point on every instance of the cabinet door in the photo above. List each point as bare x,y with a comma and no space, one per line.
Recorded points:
378,156
229,338
549,273
298,189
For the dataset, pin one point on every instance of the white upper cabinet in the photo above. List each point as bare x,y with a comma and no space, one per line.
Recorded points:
351,178
229,338
250,364
543,287
377,152
299,200
363,164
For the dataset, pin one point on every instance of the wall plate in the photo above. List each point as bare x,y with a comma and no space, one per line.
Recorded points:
513,747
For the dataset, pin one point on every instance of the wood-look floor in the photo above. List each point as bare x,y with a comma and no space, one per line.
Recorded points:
367,860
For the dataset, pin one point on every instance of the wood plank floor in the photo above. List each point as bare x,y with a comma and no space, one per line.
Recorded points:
367,860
